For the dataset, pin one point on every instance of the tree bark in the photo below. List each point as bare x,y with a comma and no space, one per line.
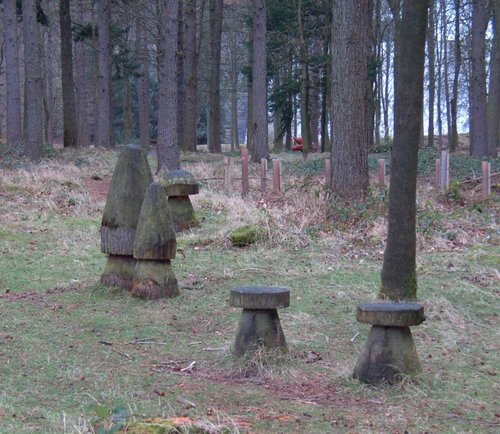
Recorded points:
143,86
351,92
457,63
431,45
82,84
259,82
13,84
478,131
493,104
33,128
399,279
70,124
190,76
105,133
215,13
181,83
168,149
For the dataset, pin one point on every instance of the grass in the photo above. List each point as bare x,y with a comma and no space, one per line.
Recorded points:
69,346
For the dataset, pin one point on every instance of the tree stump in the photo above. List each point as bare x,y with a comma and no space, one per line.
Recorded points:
179,184
389,352
259,325
131,178
154,246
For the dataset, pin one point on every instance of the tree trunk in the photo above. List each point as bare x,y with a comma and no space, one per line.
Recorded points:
105,134
143,86
82,84
431,44
478,131
385,100
33,128
215,13
493,107
314,97
13,83
190,76
70,125
259,82
457,62
399,279
351,91
181,83
168,149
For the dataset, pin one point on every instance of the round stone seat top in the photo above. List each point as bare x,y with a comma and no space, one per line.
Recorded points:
179,183
259,297
391,314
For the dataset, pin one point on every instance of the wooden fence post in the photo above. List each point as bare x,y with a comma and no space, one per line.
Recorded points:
228,173
263,174
277,176
328,173
437,174
486,179
445,170
245,183
381,175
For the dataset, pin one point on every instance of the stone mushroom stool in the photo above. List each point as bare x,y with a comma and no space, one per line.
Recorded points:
179,184
259,325
389,351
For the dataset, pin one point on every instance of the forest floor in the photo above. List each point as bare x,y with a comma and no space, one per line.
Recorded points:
75,355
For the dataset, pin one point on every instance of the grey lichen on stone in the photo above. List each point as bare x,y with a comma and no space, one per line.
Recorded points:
131,178
154,280
155,234
245,235
179,183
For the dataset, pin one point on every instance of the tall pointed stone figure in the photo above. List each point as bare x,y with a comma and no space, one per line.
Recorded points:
131,178
154,246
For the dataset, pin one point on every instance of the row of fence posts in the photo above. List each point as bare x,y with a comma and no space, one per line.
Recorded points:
442,174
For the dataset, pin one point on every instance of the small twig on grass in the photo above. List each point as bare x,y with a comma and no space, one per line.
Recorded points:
194,343
109,343
186,402
190,367
149,341
212,349
471,420
122,354
355,336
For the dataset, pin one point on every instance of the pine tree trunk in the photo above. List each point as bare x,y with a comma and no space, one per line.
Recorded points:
190,76
431,44
105,133
215,12
70,125
351,92
259,82
478,131
168,149
13,83
457,63
181,84
399,280
33,125
82,83
143,86
493,107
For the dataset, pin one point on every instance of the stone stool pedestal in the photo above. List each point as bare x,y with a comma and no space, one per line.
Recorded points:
259,325
389,352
